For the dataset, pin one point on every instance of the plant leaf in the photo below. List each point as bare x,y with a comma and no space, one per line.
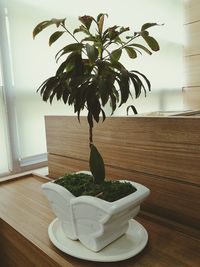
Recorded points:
69,48
55,37
124,88
148,25
100,15
97,167
116,54
152,43
81,29
100,21
133,108
131,52
92,52
141,47
144,77
44,24
86,20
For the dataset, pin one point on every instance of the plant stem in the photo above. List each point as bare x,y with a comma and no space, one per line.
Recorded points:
90,135
70,33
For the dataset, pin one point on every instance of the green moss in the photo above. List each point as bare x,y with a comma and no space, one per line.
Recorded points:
81,184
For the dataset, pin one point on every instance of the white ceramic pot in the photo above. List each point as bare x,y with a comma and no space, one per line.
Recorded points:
95,222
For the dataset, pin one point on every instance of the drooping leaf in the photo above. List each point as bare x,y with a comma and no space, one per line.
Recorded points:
124,88
69,48
152,43
133,109
138,81
137,86
144,77
54,37
103,91
65,96
44,24
141,47
103,114
131,52
97,167
113,103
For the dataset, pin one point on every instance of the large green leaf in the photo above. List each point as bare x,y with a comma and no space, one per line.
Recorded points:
115,54
152,43
113,103
137,86
103,91
97,167
124,88
92,52
54,37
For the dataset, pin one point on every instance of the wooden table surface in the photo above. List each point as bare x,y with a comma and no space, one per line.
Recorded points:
25,216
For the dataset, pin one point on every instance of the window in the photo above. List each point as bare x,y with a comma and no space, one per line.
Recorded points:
4,164
31,62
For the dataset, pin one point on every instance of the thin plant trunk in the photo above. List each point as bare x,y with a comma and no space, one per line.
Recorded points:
90,135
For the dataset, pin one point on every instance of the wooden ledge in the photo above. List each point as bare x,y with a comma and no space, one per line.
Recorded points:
25,216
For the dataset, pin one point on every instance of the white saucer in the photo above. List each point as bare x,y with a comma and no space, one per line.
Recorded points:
125,247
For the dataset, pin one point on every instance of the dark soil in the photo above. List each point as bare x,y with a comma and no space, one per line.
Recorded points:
81,184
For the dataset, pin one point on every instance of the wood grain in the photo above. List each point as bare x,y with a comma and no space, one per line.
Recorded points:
192,53
192,70
179,202
192,13
25,216
191,98
167,147
192,38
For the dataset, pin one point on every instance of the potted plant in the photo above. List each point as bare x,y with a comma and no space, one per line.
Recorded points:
89,77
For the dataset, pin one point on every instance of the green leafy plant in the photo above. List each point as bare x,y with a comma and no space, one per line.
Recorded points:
91,74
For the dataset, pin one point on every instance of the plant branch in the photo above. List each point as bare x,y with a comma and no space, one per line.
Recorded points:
70,33
122,46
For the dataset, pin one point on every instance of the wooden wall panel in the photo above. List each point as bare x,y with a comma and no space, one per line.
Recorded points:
193,38
192,8
168,147
192,54
178,201
191,98
192,71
